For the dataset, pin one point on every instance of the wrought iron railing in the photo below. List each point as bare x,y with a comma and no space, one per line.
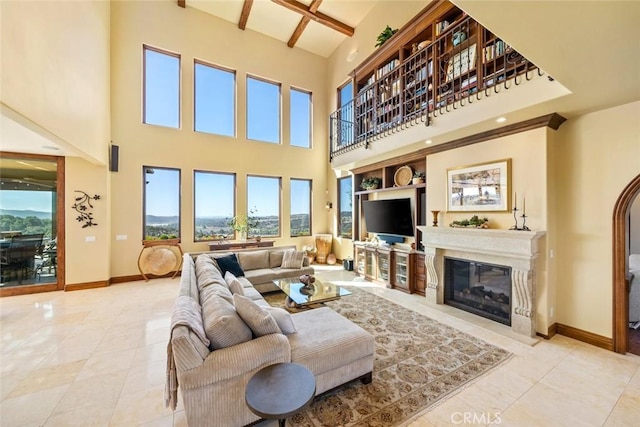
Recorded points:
463,65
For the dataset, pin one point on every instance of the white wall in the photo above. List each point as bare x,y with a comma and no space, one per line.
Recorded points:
55,69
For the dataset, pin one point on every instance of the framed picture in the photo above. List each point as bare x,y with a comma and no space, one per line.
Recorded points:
481,187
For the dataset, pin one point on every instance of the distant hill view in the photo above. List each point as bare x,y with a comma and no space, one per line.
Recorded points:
154,219
25,213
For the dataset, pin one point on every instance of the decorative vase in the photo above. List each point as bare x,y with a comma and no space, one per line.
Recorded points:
435,217
458,38
416,181
331,259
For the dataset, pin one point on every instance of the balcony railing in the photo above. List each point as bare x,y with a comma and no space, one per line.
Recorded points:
464,64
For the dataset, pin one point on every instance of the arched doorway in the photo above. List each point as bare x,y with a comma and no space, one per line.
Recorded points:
620,256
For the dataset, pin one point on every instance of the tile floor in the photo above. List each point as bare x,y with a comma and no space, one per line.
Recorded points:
97,358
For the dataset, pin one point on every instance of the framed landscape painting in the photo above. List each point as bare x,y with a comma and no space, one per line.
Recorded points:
478,188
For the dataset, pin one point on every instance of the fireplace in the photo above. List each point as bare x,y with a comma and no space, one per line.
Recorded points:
479,288
487,252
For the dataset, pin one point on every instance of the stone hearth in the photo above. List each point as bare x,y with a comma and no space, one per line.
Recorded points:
515,249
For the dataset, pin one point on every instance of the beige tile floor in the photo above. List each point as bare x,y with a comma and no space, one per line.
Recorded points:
97,358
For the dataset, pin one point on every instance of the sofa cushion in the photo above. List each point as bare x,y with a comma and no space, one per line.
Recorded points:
292,259
234,284
261,275
253,260
207,272
275,258
230,263
320,351
219,290
222,324
256,317
283,319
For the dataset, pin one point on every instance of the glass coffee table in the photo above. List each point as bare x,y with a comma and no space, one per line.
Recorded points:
299,296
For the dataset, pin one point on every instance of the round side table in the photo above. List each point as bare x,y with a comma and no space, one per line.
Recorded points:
279,391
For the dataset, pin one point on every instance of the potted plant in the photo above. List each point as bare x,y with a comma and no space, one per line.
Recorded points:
385,35
243,224
370,183
418,177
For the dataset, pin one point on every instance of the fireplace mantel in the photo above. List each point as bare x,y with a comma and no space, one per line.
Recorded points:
516,249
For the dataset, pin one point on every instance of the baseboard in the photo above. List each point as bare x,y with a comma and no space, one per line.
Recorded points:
584,336
551,331
86,285
124,279
136,277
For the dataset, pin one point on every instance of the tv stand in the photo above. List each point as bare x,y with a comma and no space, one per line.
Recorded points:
392,266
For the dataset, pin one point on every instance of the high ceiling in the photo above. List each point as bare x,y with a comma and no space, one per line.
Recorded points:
590,47
279,19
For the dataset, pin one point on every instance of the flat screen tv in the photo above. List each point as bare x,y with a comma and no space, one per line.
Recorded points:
392,216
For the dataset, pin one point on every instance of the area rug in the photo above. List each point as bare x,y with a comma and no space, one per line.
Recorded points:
418,363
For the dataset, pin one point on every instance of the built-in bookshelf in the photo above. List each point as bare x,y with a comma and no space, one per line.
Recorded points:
438,58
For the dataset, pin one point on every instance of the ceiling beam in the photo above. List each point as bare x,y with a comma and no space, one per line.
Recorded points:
318,17
244,16
182,3
313,7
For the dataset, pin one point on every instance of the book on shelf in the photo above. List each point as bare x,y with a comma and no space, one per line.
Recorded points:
440,26
387,68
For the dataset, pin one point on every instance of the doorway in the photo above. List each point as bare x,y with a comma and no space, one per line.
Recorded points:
621,277
31,223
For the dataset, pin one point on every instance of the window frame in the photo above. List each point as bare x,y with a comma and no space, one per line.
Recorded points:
249,207
339,203
146,47
144,198
197,61
310,182
234,203
310,130
273,82
349,135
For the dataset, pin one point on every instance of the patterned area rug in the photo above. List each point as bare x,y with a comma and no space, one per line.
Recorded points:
418,362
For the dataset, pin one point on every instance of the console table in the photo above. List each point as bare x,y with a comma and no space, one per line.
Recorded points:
224,245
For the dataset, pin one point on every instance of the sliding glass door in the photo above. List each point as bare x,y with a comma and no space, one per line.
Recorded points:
29,225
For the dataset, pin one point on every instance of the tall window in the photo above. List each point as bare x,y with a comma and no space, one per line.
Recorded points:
263,200
263,110
161,210
346,117
300,124
345,207
161,104
300,207
214,204
215,101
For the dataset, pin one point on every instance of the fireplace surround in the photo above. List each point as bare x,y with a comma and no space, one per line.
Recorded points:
517,250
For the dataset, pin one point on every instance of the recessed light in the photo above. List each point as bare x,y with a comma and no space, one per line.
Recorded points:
501,119
50,147
428,141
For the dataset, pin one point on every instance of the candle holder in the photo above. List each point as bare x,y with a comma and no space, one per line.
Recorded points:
524,222
515,218
435,217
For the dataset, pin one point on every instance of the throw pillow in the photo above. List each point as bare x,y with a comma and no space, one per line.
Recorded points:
256,317
222,324
283,319
292,259
235,286
230,263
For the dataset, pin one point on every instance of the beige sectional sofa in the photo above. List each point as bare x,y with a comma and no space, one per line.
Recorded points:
221,336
